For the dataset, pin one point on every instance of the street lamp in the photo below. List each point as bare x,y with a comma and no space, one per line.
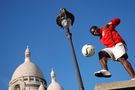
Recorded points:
65,20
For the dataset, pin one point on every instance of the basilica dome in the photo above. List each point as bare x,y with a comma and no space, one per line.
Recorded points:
27,68
54,85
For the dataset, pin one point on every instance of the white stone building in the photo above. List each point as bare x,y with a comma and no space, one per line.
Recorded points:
28,76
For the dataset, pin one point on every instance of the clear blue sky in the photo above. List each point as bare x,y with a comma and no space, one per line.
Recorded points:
33,23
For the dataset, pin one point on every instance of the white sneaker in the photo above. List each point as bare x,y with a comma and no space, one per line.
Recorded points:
133,79
103,73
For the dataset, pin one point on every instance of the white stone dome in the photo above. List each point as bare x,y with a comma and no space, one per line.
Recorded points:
54,85
27,68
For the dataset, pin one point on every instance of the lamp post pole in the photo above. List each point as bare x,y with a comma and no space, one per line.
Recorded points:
69,36
65,20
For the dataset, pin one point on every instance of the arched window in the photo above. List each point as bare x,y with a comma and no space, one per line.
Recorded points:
17,87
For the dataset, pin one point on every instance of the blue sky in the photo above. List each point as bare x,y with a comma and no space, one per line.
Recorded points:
33,23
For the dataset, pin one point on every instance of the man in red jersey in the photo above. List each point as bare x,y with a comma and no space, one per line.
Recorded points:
115,48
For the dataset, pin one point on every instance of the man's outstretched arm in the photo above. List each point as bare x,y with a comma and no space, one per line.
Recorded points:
112,24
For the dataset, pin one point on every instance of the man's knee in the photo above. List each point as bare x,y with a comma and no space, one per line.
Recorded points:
102,54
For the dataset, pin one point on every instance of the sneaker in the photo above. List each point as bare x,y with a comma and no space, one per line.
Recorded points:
103,73
133,79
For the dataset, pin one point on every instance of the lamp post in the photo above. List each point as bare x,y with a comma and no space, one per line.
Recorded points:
65,20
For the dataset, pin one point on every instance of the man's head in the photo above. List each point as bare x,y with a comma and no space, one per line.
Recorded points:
94,30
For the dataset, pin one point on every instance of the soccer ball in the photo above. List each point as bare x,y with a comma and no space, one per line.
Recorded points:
88,50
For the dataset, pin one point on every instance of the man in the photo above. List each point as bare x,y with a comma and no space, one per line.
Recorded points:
115,48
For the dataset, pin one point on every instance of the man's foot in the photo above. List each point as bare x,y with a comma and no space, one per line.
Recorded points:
103,73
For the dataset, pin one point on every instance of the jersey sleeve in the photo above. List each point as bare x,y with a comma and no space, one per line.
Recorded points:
115,22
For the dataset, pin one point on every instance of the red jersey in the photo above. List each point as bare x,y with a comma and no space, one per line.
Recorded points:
110,37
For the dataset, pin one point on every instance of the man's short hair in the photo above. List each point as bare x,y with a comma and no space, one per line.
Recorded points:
92,28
